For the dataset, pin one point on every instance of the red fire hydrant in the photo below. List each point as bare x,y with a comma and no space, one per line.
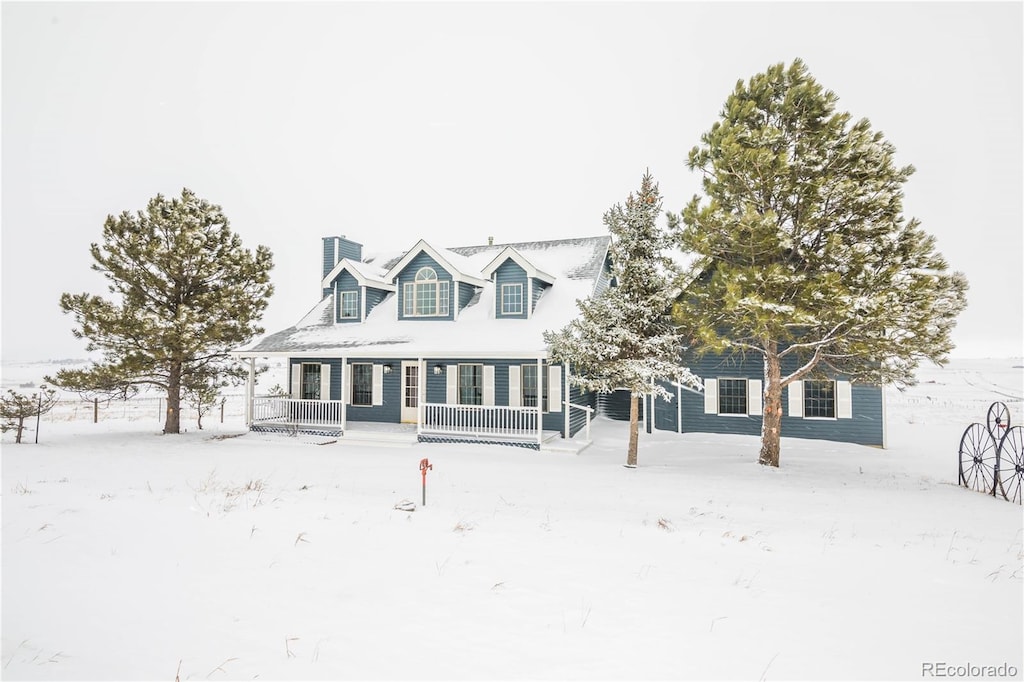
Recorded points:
424,465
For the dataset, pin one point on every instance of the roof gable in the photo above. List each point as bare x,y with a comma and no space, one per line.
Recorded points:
509,252
360,272
454,263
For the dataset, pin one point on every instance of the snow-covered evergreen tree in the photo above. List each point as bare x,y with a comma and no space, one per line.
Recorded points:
803,247
625,337
187,293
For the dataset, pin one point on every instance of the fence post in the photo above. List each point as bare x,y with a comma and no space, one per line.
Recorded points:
223,399
159,409
95,410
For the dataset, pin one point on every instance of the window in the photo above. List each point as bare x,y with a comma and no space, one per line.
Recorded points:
820,399
349,305
426,295
471,384
511,299
529,381
362,384
310,381
732,396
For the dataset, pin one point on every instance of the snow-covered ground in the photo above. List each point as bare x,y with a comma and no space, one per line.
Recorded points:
224,555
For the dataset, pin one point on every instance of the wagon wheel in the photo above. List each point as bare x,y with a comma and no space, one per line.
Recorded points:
998,419
1011,464
978,459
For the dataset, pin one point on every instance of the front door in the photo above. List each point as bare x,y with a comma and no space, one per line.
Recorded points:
410,392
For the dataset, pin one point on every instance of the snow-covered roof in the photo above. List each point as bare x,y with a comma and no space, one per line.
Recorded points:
458,266
575,265
509,252
366,274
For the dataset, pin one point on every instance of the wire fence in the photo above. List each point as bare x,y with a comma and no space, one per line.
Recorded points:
143,408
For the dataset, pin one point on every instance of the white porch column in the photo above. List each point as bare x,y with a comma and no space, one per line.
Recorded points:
565,431
540,401
250,393
679,408
344,398
421,392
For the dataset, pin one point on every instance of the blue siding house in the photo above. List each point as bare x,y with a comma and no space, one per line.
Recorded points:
448,341
829,408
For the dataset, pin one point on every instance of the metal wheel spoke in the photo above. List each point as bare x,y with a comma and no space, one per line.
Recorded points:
978,459
1010,473
998,420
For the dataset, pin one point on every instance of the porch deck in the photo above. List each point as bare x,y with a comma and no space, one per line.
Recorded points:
440,423
399,435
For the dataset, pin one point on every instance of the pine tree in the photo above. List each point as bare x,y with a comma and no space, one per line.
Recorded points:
625,337
187,293
804,255
16,407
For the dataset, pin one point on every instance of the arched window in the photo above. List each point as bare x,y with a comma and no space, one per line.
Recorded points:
426,295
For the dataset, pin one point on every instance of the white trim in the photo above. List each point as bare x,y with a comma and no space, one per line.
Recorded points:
346,384
511,253
754,397
679,408
501,298
795,399
377,387
844,400
515,386
422,246
452,387
565,406
351,387
710,396
341,304
488,392
361,278
296,382
554,388
250,392
325,381
403,351
442,303
529,301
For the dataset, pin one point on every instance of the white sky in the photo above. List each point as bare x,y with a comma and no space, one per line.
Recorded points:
389,122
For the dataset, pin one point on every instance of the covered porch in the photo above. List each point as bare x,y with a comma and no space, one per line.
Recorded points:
435,422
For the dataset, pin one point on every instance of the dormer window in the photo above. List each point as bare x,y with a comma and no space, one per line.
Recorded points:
426,295
511,299
349,308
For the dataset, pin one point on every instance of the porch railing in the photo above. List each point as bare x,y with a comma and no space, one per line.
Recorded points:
481,420
587,410
280,410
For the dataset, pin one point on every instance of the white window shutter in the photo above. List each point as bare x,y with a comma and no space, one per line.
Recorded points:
378,385
296,381
408,299
555,388
488,384
754,397
844,400
515,390
347,387
711,396
325,381
453,385
796,399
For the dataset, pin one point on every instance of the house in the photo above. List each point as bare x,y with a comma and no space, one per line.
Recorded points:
449,342
446,340
832,408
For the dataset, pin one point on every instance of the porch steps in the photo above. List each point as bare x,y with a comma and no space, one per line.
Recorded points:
569,447
379,438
